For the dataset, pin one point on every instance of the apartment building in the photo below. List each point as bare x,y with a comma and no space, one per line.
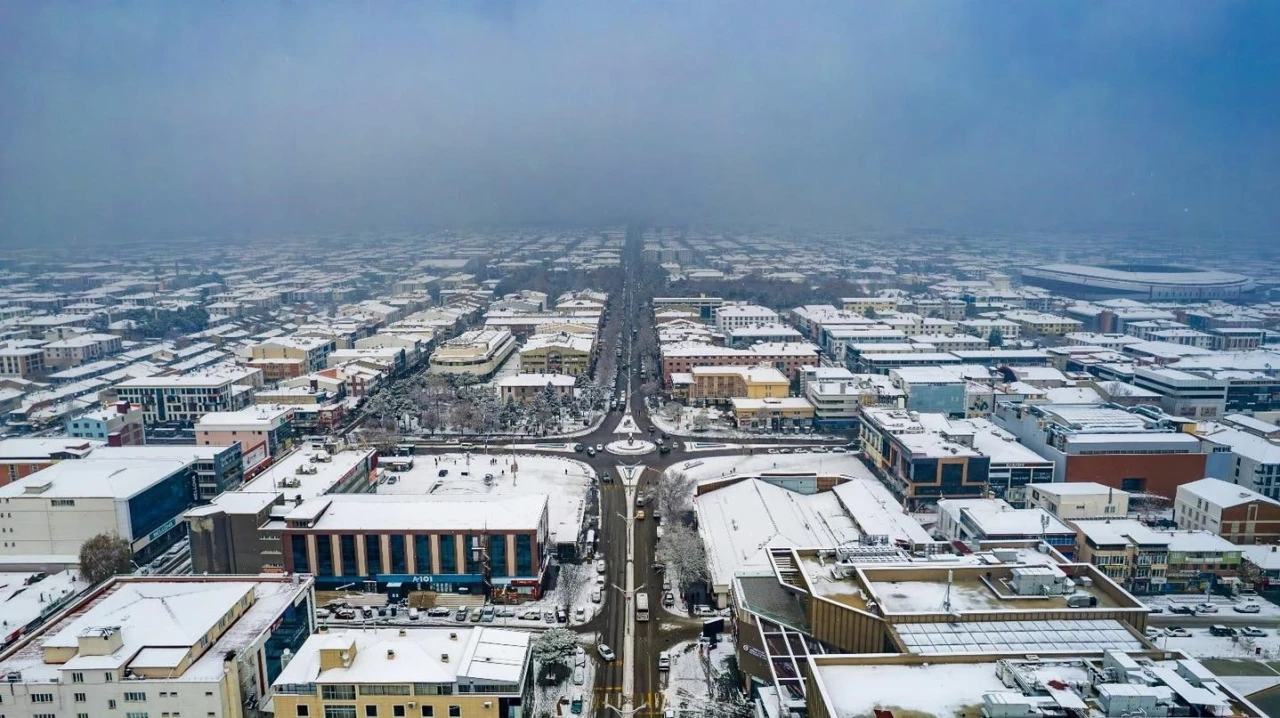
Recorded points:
118,425
719,384
874,304
744,336
736,316
263,431
290,357
527,387
1043,323
145,646
184,398
786,357
559,353
478,352
1238,514
979,520
478,672
25,362
837,403
1126,550
1198,558
1083,500
24,456
80,349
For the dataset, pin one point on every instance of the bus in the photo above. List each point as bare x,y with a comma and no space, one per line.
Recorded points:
642,607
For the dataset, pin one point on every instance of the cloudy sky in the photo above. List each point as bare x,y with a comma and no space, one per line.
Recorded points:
126,119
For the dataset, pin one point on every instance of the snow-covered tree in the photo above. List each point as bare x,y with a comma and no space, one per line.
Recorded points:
555,645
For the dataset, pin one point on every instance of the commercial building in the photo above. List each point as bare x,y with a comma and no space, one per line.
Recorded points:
184,398
1149,282
424,543
931,389
774,414
786,357
146,646
736,316
1113,447
559,353
479,672
305,354
51,513
22,457
527,387
1127,551
719,384
1183,393
478,352
1198,558
837,403
1238,514
117,425
264,431
240,531
1083,500
923,465
979,520
1243,458
744,336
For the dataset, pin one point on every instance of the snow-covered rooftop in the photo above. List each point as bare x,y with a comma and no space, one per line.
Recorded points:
368,512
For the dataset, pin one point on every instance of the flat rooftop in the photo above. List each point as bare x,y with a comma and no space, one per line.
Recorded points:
371,512
283,477
967,592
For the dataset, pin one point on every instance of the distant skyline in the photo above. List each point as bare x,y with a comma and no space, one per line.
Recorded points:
122,121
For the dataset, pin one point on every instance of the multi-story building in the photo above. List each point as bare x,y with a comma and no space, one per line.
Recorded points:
1183,393
931,389
719,384
1007,330
479,672
735,316
1198,558
1242,458
478,352
1238,514
184,398
1083,500
80,349
559,353
773,414
744,336
875,304
421,543
922,465
118,425
1113,447
527,387
22,457
837,403
264,431
788,358
1126,550
137,492
289,357
146,646
979,520
22,362
1043,323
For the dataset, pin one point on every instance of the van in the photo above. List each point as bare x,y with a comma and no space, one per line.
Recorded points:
664,661
467,447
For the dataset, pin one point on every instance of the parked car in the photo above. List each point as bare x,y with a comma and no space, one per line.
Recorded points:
414,614
600,565
1153,633
664,660
438,612
580,614
1219,630
1206,608
703,611
1247,608
1177,632
443,473
606,652
476,614
345,614
532,614
668,599
487,614
461,615
1182,610
1252,632
562,616
506,613
596,595
548,617
323,613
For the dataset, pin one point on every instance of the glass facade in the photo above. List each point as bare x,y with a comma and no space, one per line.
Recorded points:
298,543
350,566
163,502
372,554
498,555
292,632
399,559
448,555
324,555
471,557
422,553
524,555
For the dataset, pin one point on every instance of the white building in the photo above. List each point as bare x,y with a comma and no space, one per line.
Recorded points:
734,316
478,352
145,646
183,398
1079,500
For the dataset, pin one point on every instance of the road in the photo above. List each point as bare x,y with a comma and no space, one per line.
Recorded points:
665,629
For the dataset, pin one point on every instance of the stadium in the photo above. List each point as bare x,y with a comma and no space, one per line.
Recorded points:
1146,281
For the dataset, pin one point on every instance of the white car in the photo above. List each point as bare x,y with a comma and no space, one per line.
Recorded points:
600,566
1177,632
579,614
1252,631
596,595
703,611
664,661
1206,608
1247,608
606,652
1153,633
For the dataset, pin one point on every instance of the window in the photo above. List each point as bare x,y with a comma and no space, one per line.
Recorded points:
134,697
135,715
339,712
41,697
338,693
111,703
304,711
80,698
397,711
428,712
62,502
371,711
77,678
455,711
108,676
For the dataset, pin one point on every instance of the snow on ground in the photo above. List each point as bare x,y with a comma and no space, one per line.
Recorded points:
509,368
627,426
580,682
1222,603
718,428
1201,644
714,467
691,682
545,446
565,482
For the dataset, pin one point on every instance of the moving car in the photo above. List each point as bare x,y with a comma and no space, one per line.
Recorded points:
668,599
640,515
606,652
599,447
579,448
664,449
1182,610
664,660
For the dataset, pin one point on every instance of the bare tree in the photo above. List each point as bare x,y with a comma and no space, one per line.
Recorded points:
569,584
675,494
104,556
681,549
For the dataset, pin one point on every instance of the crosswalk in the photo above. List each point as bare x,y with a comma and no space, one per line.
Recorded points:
653,702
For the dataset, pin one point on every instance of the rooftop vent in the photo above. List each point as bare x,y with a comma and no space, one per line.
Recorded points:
391,654
444,657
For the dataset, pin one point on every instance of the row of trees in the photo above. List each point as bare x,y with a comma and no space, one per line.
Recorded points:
680,547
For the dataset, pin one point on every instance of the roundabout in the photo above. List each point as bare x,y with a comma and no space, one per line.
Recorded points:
630,446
